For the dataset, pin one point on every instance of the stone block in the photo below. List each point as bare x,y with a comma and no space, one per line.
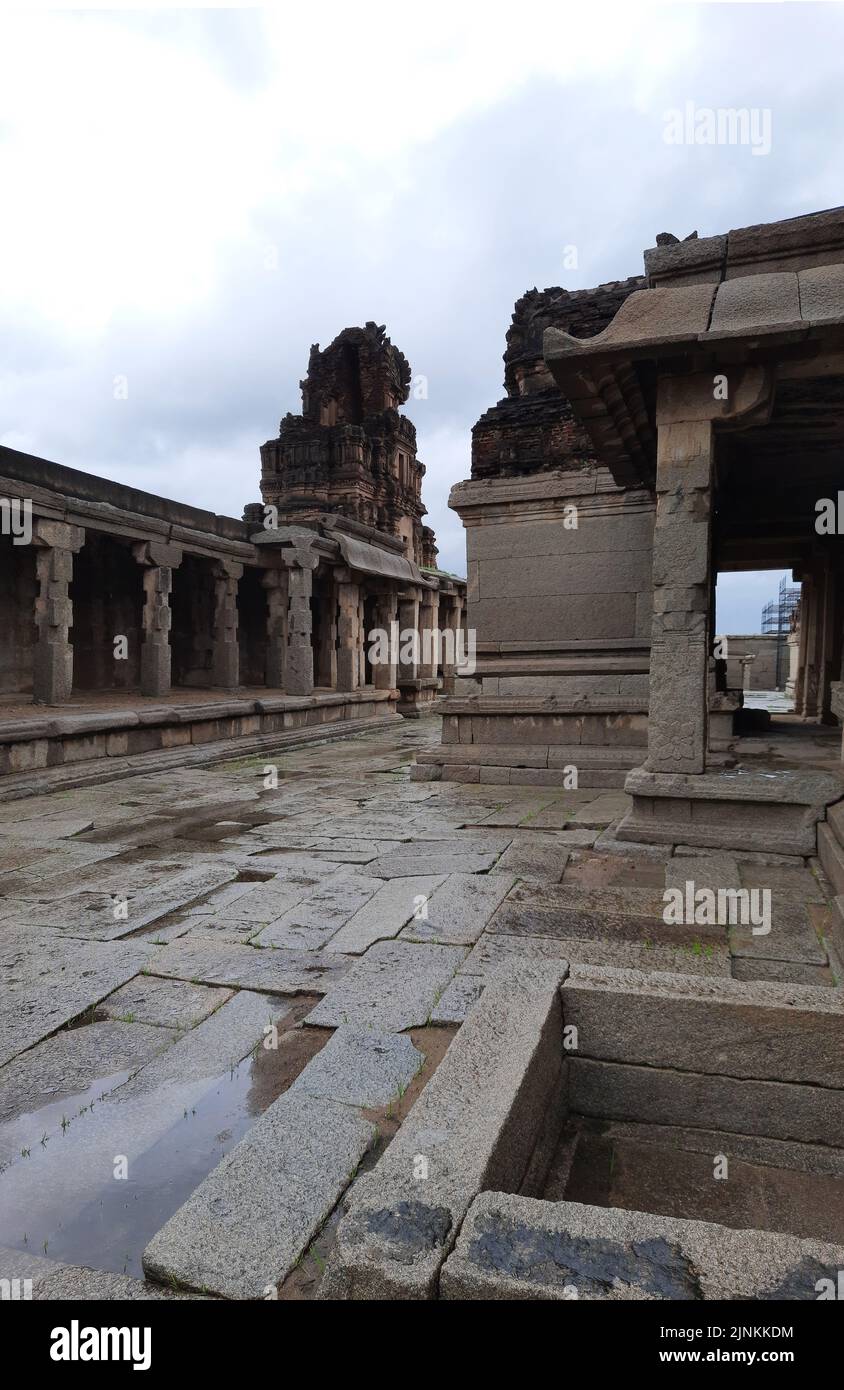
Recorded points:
246,1226
384,912
460,908
513,1247
776,1110
476,1123
724,1027
361,1067
393,987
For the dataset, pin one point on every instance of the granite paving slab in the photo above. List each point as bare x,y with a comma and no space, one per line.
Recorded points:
459,909
246,1226
411,864
166,1003
47,979
385,913
313,921
361,1067
271,970
458,999
395,986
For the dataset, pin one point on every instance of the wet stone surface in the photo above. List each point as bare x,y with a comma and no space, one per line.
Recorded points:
591,1266
182,951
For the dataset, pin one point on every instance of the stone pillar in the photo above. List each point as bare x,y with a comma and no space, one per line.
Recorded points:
349,645
362,641
803,642
299,675
429,616
56,543
384,672
827,641
746,663
408,606
159,561
454,627
275,583
226,655
793,644
677,730
325,651
814,630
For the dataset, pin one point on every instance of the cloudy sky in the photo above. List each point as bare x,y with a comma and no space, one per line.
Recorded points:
191,197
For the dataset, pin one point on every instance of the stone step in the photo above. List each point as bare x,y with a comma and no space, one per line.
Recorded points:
579,755
831,855
615,913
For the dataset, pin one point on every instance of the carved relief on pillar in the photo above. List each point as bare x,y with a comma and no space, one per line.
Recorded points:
56,544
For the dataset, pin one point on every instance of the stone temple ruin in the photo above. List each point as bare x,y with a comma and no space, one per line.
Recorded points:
211,604
541,1000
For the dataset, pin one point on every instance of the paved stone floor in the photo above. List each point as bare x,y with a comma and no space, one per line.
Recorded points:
197,958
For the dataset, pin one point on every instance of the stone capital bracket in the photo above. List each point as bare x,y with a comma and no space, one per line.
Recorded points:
58,535
696,397
158,553
300,557
227,569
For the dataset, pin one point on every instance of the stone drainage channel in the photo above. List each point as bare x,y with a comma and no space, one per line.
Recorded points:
588,1132
601,1133
63,1197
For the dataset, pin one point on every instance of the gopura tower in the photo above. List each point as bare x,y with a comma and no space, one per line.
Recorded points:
342,507
351,452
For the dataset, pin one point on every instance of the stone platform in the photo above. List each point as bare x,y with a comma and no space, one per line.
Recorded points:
102,737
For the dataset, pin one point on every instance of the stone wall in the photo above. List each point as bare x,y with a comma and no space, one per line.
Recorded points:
763,667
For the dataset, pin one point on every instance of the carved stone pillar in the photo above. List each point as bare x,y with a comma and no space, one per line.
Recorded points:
681,577
159,561
429,616
408,606
226,654
275,583
299,675
349,631
384,672
56,544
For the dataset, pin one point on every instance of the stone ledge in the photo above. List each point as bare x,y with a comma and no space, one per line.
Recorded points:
520,1248
731,1028
103,765
505,705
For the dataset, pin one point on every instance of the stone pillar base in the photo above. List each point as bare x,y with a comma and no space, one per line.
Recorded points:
155,668
774,812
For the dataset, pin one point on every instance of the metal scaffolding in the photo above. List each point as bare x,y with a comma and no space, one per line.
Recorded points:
776,622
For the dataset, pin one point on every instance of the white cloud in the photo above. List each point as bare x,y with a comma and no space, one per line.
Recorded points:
192,196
